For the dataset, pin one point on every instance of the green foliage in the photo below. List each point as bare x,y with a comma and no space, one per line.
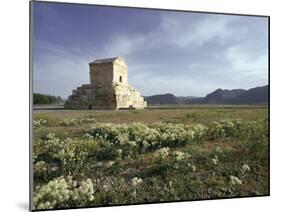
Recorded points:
39,99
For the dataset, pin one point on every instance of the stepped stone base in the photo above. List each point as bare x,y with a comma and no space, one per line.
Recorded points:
113,97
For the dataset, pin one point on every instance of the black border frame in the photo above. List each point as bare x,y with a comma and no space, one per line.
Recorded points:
129,7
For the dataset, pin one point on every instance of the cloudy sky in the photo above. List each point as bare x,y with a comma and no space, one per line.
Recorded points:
187,54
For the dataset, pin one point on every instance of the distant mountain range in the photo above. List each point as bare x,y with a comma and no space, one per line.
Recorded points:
258,95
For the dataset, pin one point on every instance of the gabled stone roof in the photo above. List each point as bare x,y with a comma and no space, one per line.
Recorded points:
106,60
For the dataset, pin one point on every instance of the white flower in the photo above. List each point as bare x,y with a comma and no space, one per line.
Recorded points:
215,160
110,163
136,181
235,180
193,168
91,198
145,144
119,151
89,136
179,155
162,153
51,135
40,167
39,122
246,168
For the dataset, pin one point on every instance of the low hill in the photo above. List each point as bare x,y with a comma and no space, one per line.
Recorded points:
162,99
221,96
258,95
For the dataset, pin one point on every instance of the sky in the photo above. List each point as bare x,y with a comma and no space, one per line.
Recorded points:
183,53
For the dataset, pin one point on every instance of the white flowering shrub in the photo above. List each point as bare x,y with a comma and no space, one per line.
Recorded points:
180,156
62,155
47,148
162,153
141,137
40,169
225,128
235,180
63,192
39,123
135,184
74,122
252,130
246,168
132,163
255,130
88,136
136,181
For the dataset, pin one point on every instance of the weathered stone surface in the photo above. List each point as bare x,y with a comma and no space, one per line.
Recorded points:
109,88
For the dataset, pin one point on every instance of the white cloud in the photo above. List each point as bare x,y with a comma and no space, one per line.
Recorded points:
123,45
247,65
57,71
213,51
184,31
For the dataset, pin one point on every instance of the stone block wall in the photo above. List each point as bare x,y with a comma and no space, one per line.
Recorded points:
109,88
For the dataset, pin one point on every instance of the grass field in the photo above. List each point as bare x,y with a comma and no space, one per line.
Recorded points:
93,158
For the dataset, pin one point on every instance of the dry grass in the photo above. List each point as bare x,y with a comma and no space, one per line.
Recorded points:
191,115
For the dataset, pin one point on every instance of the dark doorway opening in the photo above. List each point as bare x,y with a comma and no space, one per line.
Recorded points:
120,79
90,107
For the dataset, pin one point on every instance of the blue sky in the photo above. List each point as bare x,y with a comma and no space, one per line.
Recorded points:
184,53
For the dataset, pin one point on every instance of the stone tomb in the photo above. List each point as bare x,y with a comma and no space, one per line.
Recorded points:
108,90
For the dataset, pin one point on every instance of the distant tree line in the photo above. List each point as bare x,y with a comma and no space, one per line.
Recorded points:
39,99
